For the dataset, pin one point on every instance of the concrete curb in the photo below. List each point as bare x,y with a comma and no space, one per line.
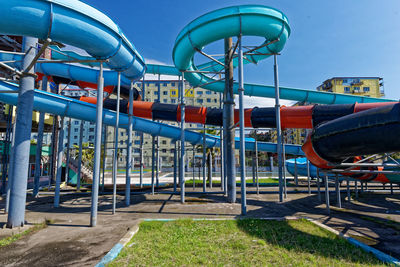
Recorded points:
114,252
378,254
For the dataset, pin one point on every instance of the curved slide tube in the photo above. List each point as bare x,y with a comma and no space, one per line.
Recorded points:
372,131
246,20
287,93
304,117
74,23
64,106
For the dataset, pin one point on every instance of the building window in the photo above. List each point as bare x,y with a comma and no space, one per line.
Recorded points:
200,101
76,122
75,130
344,80
165,92
164,151
75,137
136,150
137,142
91,130
165,84
366,89
165,101
347,89
215,100
163,142
356,89
173,101
173,92
208,92
155,92
172,84
208,100
199,92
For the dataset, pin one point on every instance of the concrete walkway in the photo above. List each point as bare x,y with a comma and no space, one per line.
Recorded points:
68,241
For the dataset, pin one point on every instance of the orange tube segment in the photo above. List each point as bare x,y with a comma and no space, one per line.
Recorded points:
313,156
193,114
364,106
88,99
247,117
296,117
142,109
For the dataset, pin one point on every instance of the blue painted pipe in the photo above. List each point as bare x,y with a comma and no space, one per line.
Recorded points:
74,23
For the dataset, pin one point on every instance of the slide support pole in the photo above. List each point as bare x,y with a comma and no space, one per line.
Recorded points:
16,215
97,149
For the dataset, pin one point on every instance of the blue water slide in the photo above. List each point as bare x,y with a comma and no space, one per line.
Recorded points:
246,20
295,94
75,23
302,168
64,106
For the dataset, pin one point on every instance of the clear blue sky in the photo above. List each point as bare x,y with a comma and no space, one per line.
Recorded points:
329,38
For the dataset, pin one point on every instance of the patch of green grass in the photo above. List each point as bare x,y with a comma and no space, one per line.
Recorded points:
248,242
15,237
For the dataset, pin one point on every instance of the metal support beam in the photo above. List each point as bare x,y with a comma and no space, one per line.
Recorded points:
153,161
356,189
242,150
327,194
319,186
229,126
182,159
97,148
10,173
116,143
158,138
60,151
38,156
278,129
308,177
348,189
256,161
67,157
193,163
284,167
175,165
337,188
296,175
129,161
16,215
203,161
104,157
6,150
79,176
209,167
142,140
